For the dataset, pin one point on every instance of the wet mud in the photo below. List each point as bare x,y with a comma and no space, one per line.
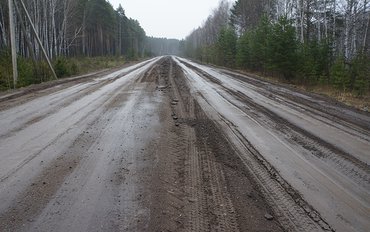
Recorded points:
148,148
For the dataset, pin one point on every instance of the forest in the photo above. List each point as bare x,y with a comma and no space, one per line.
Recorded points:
78,36
310,42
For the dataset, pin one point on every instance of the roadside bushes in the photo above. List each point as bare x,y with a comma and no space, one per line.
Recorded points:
351,76
339,74
269,48
6,79
28,73
315,59
272,49
226,47
65,68
34,72
253,46
282,49
360,72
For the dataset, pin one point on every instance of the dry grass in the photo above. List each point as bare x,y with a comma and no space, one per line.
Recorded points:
86,64
348,98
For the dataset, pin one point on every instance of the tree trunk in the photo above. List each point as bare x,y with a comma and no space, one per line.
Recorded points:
318,18
84,34
347,29
63,33
354,33
366,27
302,20
2,29
54,29
325,19
334,20
308,20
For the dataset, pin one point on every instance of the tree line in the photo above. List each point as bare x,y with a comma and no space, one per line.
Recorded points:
74,28
306,41
70,29
162,46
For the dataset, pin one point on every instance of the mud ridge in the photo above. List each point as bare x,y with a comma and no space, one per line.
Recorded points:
347,164
313,106
218,202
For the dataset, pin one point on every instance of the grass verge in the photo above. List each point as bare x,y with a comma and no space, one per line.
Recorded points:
30,72
349,98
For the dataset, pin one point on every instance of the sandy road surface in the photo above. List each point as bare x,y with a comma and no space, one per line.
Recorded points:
129,150
320,152
171,145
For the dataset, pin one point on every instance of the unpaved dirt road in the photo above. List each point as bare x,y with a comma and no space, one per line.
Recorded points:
172,145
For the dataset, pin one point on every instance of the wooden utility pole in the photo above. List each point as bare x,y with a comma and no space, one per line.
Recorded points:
12,42
38,39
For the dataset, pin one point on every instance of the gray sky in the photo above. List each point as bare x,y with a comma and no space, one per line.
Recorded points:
168,18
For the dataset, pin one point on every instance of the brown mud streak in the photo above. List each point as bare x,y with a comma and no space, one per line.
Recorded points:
285,201
248,201
167,184
111,100
53,109
338,114
221,193
20,96
292,211
341,114
198,182
285,125
43,187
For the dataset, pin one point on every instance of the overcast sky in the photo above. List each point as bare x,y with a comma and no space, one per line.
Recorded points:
168,18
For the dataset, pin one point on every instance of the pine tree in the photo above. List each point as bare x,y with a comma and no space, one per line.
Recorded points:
339,75
227,47
243,55
282,48
260,44
360,73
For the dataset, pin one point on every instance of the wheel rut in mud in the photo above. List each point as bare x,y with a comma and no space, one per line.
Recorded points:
307,153
147,149
200,183
142,157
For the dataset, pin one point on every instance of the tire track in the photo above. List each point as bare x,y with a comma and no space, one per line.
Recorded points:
210,207
344,163
306,104
90,111
31,201
60,100
293,212
55,107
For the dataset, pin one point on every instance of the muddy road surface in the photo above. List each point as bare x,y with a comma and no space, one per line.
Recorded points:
172,145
